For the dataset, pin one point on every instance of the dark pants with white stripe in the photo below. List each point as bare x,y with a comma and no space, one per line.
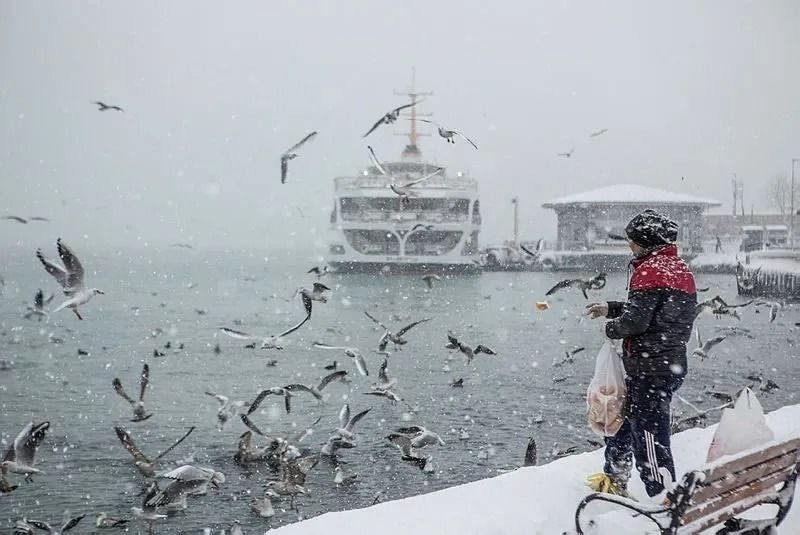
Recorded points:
645,433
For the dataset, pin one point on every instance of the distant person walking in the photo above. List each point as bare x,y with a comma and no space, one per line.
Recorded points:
718,246
655,325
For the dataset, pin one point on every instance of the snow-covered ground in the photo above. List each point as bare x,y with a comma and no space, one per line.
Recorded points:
538,500
715,262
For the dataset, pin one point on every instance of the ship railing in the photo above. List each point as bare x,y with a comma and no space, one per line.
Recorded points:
428,216
380,182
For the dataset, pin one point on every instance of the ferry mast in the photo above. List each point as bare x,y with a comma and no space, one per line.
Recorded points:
411,151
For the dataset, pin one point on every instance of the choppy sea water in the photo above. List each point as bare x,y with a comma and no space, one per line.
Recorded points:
184,296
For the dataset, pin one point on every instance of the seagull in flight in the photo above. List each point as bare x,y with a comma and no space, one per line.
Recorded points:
352,352
290,154
320,271
139,412
227,408
148,512
599,132
24,221
537,250
39,303
70,277
429,278
597,282
395,338
21,455
469,352
449,135
703,349
267,342
145,465
105,107
66,526
391,116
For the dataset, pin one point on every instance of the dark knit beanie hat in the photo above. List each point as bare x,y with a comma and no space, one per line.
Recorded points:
651,229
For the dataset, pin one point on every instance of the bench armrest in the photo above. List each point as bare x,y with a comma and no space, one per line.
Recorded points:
649,511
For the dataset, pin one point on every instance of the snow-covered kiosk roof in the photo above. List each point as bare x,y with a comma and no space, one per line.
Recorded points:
629,194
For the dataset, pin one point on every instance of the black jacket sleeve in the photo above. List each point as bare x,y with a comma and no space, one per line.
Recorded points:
636,315
614,309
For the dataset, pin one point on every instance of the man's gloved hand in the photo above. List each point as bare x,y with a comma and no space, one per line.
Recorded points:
597,310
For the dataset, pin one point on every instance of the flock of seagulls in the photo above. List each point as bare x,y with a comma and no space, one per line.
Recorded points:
171,489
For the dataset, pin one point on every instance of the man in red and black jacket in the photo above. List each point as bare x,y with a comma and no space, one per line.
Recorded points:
655,324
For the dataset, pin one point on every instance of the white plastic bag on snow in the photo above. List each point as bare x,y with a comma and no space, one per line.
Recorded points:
740,428
605,398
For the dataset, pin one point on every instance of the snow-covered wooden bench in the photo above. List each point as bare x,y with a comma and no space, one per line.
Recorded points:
715,493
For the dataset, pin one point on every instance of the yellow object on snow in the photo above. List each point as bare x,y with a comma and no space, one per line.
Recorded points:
542,305
604,483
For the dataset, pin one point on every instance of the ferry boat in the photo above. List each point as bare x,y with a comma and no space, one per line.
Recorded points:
435,229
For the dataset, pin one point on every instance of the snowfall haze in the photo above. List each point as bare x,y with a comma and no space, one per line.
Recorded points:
214,93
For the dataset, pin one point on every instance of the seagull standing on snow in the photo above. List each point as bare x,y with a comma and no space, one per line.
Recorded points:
70,277
139,412
290,154
449,135
390,117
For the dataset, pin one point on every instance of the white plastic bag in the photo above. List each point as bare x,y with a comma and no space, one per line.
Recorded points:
605,398
740,428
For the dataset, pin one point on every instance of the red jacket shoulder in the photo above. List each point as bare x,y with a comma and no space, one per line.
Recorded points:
669,272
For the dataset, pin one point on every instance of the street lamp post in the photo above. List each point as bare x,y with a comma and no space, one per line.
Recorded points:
791,203
515,202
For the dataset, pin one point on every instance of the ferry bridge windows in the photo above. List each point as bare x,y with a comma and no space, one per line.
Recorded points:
382,209
432,243
373,242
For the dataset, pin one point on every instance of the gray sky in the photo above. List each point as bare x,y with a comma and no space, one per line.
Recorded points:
215,91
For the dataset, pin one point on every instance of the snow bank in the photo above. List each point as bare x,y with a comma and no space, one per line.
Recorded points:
714,260
538,500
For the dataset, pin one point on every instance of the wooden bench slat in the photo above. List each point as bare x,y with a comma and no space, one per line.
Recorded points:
704,523
742,477
731,497
720,470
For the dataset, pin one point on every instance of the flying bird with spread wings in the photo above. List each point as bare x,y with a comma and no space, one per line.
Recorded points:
449,135
290,154
390,116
